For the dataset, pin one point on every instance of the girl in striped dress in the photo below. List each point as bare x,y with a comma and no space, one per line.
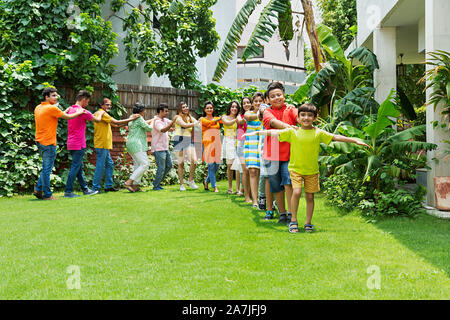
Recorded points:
251,145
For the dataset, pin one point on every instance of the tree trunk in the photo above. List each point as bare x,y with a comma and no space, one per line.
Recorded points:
317,53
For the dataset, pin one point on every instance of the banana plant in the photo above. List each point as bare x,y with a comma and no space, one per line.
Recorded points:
338,74
262,32
389,150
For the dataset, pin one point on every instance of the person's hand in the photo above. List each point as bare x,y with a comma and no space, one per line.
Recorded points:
295,127
134,116
250,134
360,143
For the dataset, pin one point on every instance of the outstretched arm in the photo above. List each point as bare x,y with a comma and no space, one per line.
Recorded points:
227,122
71,116
340,138
98,118
273,132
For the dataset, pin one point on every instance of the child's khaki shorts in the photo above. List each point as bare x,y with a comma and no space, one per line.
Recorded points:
312,184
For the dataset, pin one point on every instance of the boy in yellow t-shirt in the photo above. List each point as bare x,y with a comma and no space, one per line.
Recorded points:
303,164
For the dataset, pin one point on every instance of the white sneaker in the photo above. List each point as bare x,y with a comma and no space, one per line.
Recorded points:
182,188
192,184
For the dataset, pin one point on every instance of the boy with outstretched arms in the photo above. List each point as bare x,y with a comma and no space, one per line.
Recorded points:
304,154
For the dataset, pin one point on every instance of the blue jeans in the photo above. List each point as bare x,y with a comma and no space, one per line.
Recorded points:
212,169
103,167
76,171
164,164
48,154
279,175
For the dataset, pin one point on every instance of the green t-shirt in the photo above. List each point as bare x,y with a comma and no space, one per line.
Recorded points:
137,136
305,146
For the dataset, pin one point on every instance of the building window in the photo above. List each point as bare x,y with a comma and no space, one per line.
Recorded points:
240,50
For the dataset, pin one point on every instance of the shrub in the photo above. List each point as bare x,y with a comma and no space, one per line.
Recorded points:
396,203
345,191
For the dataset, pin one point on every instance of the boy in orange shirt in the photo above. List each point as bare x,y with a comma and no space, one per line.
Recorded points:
46,118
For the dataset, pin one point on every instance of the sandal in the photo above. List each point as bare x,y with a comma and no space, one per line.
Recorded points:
205,185
129,187
239,194
230,191
293,227
309,227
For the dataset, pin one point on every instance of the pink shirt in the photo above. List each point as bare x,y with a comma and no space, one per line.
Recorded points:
76,129
242,128
160,140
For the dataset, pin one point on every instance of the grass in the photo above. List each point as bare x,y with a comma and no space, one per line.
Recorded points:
198,245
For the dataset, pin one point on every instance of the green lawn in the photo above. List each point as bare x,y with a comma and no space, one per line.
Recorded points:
199,245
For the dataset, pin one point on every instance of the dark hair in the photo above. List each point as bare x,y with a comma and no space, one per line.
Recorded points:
257,94
47,91
82,94
138,107
204,106
266,95
273,86
161,107
308,107
105,100
228,111
242,104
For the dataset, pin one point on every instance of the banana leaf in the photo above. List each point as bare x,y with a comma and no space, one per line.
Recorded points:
366,57
387,109
264,29
331,45
234,37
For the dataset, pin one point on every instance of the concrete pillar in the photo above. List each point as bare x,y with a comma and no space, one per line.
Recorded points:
384,46
437,37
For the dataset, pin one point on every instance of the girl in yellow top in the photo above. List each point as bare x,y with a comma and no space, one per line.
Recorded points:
229,141
212,146
183,146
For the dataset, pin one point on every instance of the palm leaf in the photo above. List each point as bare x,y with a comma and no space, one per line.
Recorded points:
234,37
265,28
366,57
408,134
411,146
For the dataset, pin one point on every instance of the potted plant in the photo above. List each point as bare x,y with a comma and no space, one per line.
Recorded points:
438,78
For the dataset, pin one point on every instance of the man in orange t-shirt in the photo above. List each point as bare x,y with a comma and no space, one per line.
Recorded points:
46,118
276,153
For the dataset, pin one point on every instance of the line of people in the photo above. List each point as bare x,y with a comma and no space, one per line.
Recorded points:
273,163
